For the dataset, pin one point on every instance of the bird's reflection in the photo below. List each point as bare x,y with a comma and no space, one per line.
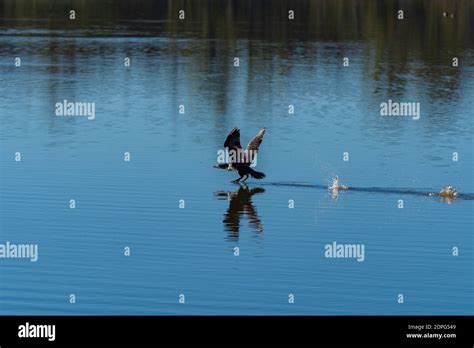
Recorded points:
240,204
448,200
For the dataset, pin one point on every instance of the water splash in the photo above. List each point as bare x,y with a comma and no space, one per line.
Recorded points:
336,185
447,191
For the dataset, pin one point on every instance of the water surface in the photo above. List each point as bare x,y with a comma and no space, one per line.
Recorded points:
191,251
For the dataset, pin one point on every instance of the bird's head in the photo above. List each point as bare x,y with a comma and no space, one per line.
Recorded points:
222,166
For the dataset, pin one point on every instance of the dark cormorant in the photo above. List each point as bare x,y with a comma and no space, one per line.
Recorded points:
240,160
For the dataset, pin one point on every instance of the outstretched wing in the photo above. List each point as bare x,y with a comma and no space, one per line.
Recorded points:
233,140
254,144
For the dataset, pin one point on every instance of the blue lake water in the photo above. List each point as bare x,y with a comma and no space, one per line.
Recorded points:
190,251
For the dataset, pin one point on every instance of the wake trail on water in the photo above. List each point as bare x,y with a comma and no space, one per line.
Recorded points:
402,191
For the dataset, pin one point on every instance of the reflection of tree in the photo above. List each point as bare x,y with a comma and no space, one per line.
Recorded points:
327,20
390,52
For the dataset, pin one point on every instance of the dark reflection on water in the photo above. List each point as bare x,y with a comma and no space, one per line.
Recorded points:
409,60
240,206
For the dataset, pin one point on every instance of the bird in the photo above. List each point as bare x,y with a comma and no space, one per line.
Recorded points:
240,160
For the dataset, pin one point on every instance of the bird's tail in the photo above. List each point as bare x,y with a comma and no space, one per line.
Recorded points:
256,175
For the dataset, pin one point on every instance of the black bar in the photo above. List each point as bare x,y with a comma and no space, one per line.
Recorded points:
140,330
